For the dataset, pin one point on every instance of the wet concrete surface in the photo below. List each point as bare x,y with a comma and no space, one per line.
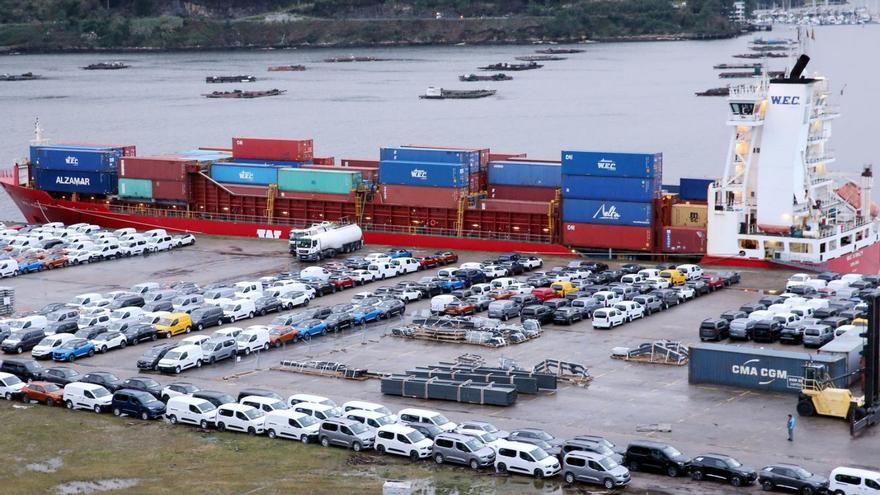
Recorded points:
748,425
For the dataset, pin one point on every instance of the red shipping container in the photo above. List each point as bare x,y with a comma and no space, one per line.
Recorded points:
307,196
351,162
523,193
515,206
165,168
589,235
243,190
500,157
371,174
477,182
523,159
420,196
253,148
682,240
127,149
171,190
324,160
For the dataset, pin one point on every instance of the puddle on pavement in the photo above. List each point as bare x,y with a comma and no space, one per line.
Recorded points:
96,486
47,466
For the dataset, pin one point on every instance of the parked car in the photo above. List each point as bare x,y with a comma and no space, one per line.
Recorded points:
134,402
524,458
23,340
791,477
61,375
10,386
590,467
402,440
714,329
214,397
286,423
43,392
103,378
852,481
722,467
741,329
206,316
88,396
568,315
150,359
346,433
461,449
191,410
144,384
541,438
766,331
817,335
608,318
25,369
645,455
538,312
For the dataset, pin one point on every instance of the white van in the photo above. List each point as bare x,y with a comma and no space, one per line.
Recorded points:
191,410
318,411
368,406
314,399
237,309
10,386
181,358
447,273
44,349
649,273
315,273
439,303
8,268
253,339
406,265
631,279
83,299
382,270
690,272
607,298
145,287
238,417
802,311
524,458
403,440
287,423
248,290
155,233
31,322
425,416
761,315
370,419
852,481
228,332
778,308
79,395
128,313
265,404
503,283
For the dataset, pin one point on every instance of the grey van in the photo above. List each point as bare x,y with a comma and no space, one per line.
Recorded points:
504,309
462,449
588,305
218,348
741,329
817,335
346,433
160,295
206,316
594,468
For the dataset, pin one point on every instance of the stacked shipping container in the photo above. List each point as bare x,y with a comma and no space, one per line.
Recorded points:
608,199
82,169
684,230
163,178
432,177
522,185
252,148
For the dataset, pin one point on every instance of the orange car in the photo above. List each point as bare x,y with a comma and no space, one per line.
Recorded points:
45,392
55,261
281,335
500,295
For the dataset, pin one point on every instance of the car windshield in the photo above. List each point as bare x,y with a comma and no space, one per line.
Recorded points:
166,322
415,437
358,428
733,462
307,421
384,420
802,473
539,454
173,355
602,449
439,420
12,380
51,387
100,392
671,451
473,444
489,437
608,463
243,337
47,341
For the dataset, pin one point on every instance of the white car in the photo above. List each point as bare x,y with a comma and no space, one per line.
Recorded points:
88,396
312,399
357,298
691,272
494,271
318,411
182,358
239,417
265,404
192,410
658,282
253,339
796,280
370,419
83,299
75,257
531,262
579,273
91,321
237,309
130,313
853,481
195,340
10,386
294,299
409,295
368,406
685,293
183,240
524,458
287,423
105,341
631,279
631,310
46,346
403,440
519,288
152,318
361,277
503,283
608,318
490,439
607,298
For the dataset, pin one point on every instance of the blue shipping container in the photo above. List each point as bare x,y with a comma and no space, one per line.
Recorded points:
471,158
607,212
78,159
612,164
434,155
237,173
35,149
694,189
423,174
537,174
75,181
613,188
273,163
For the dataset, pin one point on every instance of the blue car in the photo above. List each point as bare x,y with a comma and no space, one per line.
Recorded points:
29,265
73,349
364,314
310,328
399,253
451,284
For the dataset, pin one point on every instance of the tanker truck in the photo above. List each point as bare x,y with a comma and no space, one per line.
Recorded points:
325,240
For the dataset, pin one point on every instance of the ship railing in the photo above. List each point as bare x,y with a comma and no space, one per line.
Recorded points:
827,156
758,90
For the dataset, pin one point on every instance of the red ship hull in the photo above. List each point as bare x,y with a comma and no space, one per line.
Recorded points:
865,261
39,207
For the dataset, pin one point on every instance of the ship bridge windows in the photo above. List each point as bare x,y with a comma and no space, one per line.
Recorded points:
845,240
748,244
800,247
742,108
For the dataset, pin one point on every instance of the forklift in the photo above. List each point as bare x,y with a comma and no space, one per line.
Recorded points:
819,394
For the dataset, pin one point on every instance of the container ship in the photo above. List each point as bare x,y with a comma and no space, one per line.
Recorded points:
612,203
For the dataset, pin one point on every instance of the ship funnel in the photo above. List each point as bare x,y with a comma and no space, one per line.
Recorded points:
799,67
867,184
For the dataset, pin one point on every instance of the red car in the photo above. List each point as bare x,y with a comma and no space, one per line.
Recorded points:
427,261
342,282
460,308
544,293
46,392
446,257
500,295
714,282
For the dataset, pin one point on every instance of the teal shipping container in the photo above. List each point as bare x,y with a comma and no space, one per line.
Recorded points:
135,188
318,181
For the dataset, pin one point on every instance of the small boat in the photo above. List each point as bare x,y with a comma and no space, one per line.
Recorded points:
107,66
492,77
353,59
434,93
230,79
27,76
714,92
761,55
539,58
756,72
237,93
506,66
559,51
737,66
287,68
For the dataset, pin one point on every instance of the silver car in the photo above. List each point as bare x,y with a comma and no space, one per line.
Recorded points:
741,328
218,348
504,309
346,433
594,468
462,449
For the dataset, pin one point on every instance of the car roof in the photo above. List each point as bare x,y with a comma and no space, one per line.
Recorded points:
237,407
593,456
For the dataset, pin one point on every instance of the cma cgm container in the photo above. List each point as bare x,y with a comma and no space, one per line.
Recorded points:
612,188
524,193
684,240
539,174
420,196
135,188
156,167
694,189
644,165
470,159
72,159
238,173
755,368
75,181
318,181
272,148
423,174
607,212
590,235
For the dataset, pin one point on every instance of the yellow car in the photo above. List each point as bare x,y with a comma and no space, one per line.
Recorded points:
674,276
174,324
563,288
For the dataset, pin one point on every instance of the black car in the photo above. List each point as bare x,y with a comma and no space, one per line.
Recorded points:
470,276
90,333
338,321
107,380
767,331
429,288
215,397
667,296
258,392
538,312
126,300
206,316
646,455
139,332
391,307
60,375
509,257
791,477
429,430
64,326
793,333
733,314
556,303
144,384
539,280
150,359
182,388
512,267
568,315
322,288
185,287
267,304
319,312
714,329
51,308
700,287
613,275
594,266
160,305
768,301
665,266
730,278
828,312
631,268
722,467
751,308
25,369
541,438
22,340
524,300
356,263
